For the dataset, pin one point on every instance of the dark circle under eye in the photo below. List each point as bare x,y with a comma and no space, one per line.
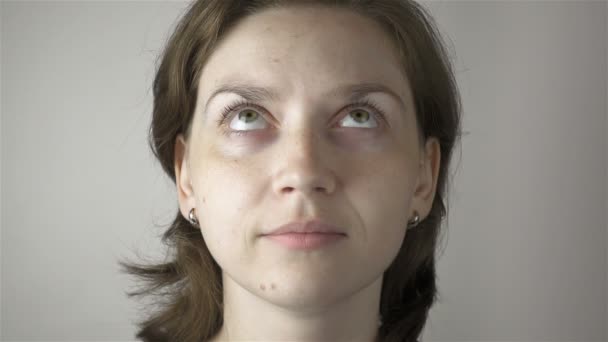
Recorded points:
248,114
360,116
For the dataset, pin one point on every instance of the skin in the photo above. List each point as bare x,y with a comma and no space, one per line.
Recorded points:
305,155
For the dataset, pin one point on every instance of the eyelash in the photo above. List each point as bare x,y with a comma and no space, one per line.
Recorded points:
227,110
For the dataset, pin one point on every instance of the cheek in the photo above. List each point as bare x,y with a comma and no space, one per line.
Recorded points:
382,207
227,183
225,191
383,196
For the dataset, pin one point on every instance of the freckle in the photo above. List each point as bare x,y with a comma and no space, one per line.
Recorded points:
272,286
263,287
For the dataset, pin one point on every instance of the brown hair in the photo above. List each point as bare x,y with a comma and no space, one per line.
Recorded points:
188,287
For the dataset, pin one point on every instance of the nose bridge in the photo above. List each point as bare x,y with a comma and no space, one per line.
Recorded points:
303,161
302,136
302,143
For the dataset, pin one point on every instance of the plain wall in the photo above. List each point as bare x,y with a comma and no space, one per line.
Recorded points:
526,250
1,169
524,256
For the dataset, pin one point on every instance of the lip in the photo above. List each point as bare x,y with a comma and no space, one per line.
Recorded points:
306,241
309,226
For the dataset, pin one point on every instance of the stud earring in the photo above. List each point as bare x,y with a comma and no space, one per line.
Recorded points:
413,222
192,218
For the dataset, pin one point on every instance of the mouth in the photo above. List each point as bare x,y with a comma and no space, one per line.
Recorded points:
306,240
309,226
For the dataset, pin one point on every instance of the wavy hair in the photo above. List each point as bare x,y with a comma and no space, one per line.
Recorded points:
187,286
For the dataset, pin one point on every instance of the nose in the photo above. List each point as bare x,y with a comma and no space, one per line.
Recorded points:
304,165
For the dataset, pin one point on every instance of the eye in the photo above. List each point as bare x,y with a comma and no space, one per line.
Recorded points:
359,116
244,119
247,117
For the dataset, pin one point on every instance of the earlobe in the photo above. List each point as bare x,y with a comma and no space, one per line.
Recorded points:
183,181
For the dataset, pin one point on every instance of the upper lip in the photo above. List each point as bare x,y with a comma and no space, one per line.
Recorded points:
309,226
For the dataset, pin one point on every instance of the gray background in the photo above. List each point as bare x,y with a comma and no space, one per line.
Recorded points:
524,258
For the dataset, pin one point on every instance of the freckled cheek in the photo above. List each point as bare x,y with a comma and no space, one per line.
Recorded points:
229,189
383,193
383,204
227,192
224,232
356,133
239,147
353,139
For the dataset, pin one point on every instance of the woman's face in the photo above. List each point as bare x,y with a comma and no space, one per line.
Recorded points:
303,149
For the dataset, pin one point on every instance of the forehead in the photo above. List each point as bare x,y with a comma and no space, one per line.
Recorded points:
308,49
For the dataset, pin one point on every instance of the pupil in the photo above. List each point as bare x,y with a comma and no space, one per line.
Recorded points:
360,115
249,116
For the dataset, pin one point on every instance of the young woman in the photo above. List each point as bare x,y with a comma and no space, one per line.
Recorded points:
309,142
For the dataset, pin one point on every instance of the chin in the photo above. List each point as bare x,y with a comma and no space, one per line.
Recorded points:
311,298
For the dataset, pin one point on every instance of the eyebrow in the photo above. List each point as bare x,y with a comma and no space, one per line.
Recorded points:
254,93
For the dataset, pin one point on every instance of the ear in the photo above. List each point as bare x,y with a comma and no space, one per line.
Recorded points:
427,178
183,181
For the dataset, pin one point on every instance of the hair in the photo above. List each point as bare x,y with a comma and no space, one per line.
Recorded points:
188,287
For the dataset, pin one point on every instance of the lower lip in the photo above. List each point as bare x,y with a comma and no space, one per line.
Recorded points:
305,241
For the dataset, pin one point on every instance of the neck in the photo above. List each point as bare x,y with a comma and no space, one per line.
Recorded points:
249,317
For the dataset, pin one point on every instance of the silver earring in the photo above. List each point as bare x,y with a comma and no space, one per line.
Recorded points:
413,222
192,218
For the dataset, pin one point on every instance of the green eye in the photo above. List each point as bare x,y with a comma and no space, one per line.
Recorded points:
249,115
360,116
